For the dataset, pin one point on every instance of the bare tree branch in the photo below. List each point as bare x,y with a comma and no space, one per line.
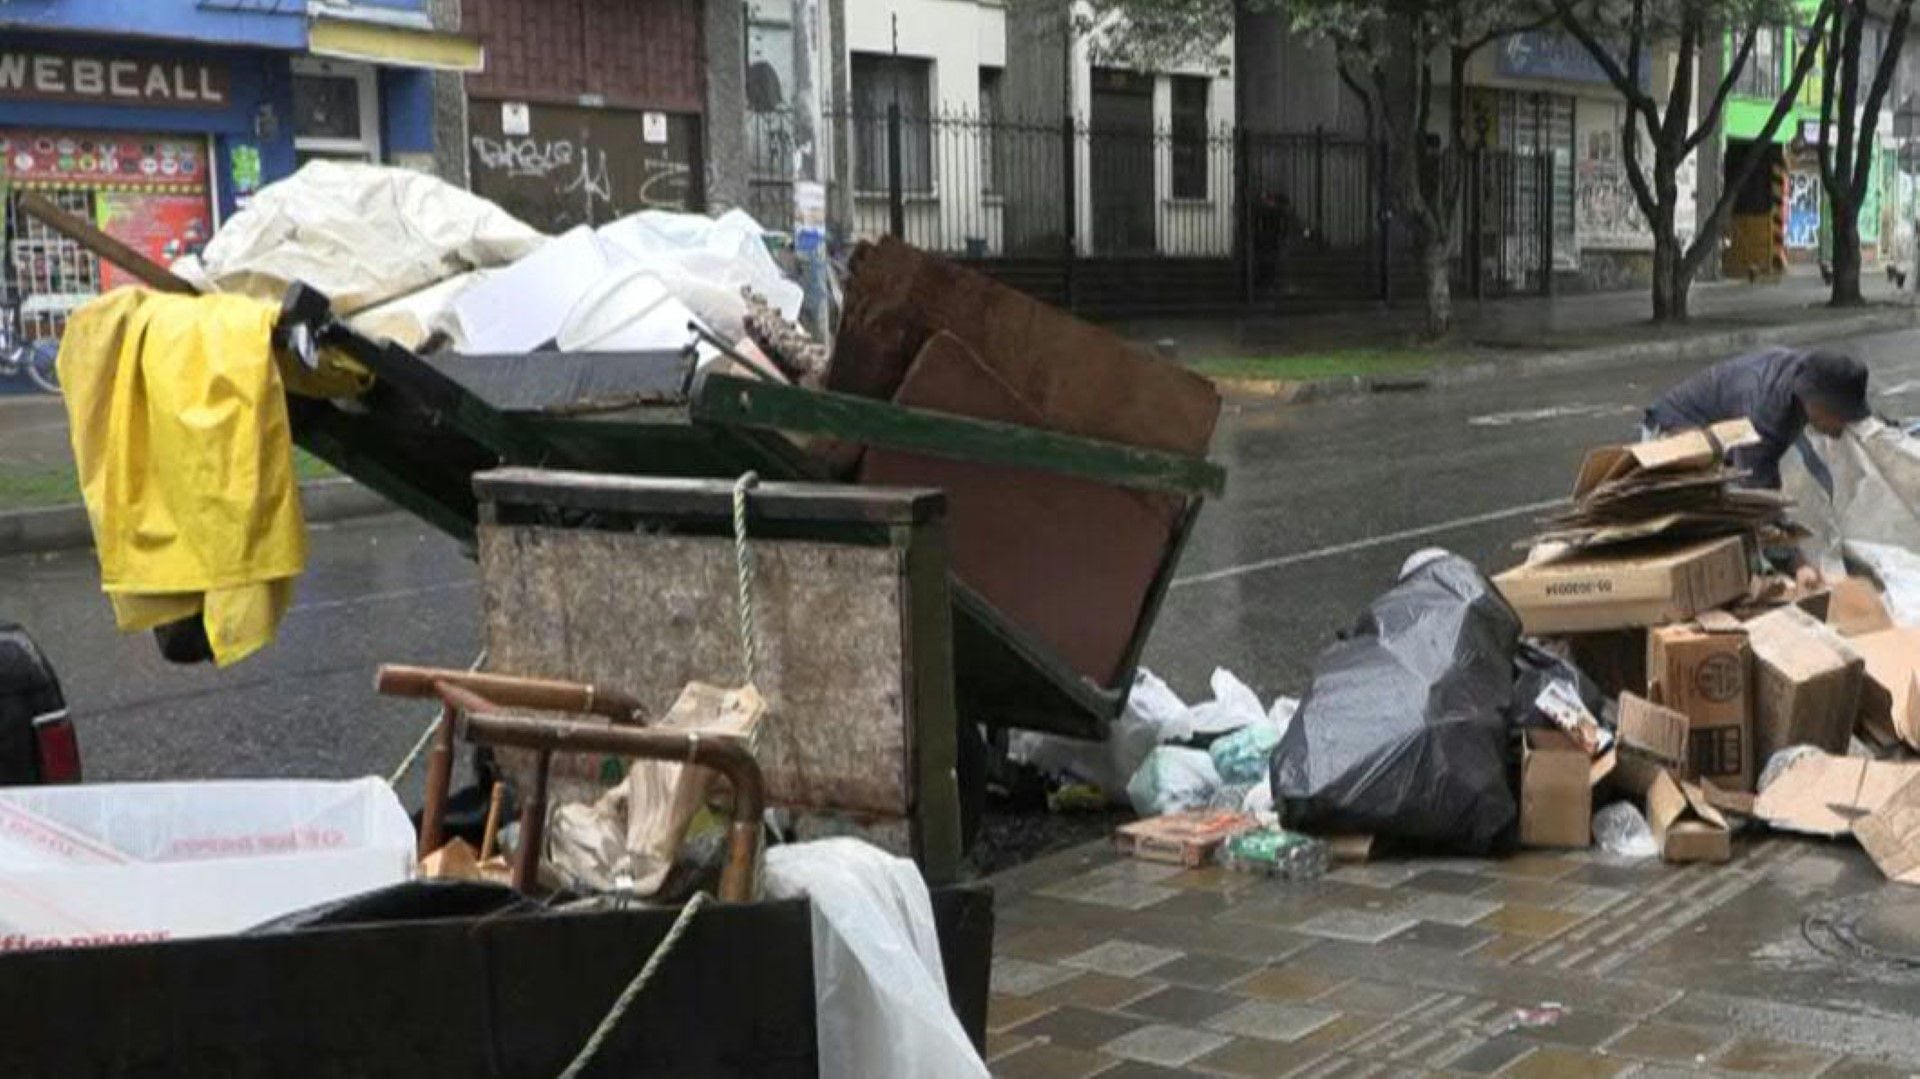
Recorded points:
1711,123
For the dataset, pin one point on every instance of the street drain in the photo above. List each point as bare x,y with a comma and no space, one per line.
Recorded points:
1878,930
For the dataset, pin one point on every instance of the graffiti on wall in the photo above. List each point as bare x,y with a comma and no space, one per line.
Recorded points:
1803,210
1605,211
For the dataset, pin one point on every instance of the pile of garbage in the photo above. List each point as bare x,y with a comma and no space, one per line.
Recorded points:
1645,681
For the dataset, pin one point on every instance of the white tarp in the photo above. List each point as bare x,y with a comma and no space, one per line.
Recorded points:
1876,490
880,989
704,262
362,234
109,863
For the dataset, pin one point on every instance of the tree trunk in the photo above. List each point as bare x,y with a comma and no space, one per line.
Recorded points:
1669,284
1846,255
1436,264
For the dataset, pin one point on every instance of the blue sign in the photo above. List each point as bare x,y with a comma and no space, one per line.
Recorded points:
1545,54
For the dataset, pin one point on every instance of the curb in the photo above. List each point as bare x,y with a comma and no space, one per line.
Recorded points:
60,528
1286,392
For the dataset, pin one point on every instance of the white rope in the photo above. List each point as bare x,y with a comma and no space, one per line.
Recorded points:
426,737
743,567
632,992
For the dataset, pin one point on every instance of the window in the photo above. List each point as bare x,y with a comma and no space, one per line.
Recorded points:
335,111
881,82
1190,94
991,158
1761,77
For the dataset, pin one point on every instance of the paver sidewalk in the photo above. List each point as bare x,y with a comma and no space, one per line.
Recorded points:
1785,962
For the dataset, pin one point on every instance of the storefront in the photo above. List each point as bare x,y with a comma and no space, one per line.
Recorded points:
156,142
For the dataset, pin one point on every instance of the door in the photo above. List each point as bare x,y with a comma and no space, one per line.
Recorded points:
1120,160
557,166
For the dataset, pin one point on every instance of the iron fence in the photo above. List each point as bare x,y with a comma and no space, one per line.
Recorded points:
1293,213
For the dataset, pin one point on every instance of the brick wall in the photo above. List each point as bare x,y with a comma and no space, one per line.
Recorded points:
641,53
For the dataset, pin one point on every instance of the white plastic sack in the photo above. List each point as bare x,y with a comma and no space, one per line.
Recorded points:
880,990
1620,829
1875,471
361,234
113,863
1154,714
704,262
1234,705
1173,778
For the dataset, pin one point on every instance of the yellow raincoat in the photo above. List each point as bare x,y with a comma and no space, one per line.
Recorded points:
179,424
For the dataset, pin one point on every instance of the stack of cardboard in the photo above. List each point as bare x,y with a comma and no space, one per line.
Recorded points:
1646,583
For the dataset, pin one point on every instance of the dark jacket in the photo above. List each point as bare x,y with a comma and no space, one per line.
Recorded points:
1759,387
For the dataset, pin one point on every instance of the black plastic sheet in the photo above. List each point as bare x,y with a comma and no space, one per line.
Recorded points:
1404,732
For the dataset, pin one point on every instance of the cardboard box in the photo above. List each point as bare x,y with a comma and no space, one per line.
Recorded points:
1685,825
1652,740
1686,451
1826,795
1889,705
1891,835
1855,608
1188,837
1806,684
1616,660
1706,675
1626,587
1556,790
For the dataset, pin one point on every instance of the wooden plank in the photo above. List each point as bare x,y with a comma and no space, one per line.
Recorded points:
732,401
660,496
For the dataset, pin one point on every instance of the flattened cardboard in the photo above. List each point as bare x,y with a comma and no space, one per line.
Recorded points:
1652,741
1706,675
1189,837
1887,699
1686,450
1891,835
1626,588
1806,683
1827,795
1855,608
1687,827
1556,790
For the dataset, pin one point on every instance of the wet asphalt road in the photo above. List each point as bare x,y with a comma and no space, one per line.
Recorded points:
1324,502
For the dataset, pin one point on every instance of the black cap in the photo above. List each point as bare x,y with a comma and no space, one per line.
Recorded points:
1836,382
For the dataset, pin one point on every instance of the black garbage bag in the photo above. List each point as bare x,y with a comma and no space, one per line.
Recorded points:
1537,672
1404,731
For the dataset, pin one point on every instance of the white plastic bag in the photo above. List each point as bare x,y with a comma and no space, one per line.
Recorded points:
1620,829
880,990
1154,714
1173,778
1234,705
705,262
112,863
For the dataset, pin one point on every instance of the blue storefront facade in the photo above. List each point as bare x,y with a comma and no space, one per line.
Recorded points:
158,119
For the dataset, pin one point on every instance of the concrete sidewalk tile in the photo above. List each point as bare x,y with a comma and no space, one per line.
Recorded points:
1291,983
1375,875
1669,1043
1001,1045
1140,1069
1252,1058
1182,1004
1555,1063
1594,900
1092,989
1024,977
1453,909
1272,1020
1449,882
1195,904
1504,947
1044,1061
1532,866
1005,1011
1491,1055
1114,892
1370,997
1204,971
1047,943
1765,1056
1454,939
1580,1029
1529,921
1359,926
1863,1068
1080,1028
1165,1045
1532,892
1134,869
1125,958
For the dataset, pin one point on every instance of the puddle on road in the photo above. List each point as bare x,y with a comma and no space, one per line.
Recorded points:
1879,931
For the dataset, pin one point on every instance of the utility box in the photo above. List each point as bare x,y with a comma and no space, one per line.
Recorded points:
633,583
